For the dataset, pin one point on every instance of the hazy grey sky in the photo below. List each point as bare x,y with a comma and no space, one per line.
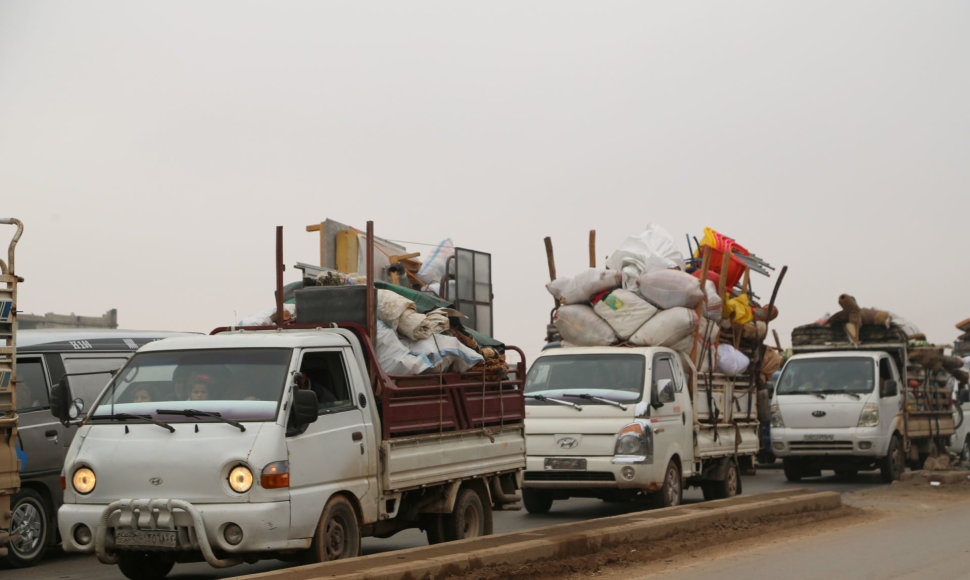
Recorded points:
152,148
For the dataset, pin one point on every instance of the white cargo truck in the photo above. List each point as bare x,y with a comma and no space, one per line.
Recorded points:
627,422
283,443
849,407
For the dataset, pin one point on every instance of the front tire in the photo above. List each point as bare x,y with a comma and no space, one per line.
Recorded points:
892,465
31,522
537,501
470,518
672,490
793,470
338,533
145,565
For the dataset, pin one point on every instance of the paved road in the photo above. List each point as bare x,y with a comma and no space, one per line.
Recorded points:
59,566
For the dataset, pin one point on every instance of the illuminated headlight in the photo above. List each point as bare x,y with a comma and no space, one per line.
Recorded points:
84,480
240,479
776,416
869,417
634,443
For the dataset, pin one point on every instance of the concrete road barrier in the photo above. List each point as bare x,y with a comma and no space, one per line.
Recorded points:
559,541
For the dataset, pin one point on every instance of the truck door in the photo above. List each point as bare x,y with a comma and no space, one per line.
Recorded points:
39,434
889,407
333,454
672,423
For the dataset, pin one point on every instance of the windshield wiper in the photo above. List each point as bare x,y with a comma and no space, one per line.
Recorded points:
559,401
142,418
602,400
194,413
818,394
830,392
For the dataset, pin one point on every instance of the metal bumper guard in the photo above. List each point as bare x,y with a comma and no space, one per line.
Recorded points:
156,514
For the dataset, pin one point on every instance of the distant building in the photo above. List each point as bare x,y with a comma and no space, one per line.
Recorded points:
50,320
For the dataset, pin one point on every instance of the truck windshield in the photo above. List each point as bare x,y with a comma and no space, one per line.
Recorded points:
855,375
235,384
616,377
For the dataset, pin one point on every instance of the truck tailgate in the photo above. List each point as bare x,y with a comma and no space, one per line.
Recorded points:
739,438
411,462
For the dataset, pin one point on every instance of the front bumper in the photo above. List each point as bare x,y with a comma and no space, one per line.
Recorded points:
859,442
198,527
600,473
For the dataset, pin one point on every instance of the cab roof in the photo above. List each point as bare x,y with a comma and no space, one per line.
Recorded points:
317,337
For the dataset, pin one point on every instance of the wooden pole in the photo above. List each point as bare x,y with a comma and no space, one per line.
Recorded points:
318,228
279,277
592,248
369,302
550,259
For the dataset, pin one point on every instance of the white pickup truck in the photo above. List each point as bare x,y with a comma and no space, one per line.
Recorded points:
283,443
625,422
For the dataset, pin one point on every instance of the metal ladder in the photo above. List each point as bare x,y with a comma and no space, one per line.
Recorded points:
9,464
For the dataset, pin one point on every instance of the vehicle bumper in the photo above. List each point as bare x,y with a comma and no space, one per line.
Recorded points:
861,442
600,473
199,528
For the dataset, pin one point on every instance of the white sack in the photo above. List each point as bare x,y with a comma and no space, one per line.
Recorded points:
625,311
391,306
579,288
666,327
446,353
714,302
708,337
434,261
730,360
415,326
265,317
670,288
653,249
579,325
393,355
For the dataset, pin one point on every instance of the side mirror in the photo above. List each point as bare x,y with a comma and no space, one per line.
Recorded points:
888,388
662,392
62,407
304,410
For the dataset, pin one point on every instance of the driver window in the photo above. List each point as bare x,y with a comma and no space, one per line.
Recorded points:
31,385
663,369
325,375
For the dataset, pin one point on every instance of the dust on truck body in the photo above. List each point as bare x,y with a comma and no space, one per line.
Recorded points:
310,446
9,462
848,407
620,422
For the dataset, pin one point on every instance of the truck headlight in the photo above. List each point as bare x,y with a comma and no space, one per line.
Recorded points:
635,443
240,479
84,480
869,417
776,420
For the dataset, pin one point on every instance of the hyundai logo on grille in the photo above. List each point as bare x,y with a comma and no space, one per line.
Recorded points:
155,481
568,442
818,413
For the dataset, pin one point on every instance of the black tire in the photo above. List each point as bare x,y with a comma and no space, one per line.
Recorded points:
145,565
470,518
672,490
730,486
793,470
537,501
31,521
338,532
433,525
957,415
892,465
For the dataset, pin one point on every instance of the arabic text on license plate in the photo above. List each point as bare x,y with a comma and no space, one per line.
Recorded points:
149,538
819,437
566,463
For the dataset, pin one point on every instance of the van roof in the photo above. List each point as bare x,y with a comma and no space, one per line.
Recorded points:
88,339
317,337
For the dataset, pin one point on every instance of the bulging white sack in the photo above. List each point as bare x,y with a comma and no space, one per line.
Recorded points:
670,288
730,360
625,311
652,249
579,325
666,327
579,288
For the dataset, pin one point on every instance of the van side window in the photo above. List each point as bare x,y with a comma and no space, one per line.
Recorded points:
327,378
88,375
31,385
885,370
663,369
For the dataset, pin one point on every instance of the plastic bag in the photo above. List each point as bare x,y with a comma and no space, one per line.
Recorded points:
624,311
446,353
666,327
579,288
579,325
652,249
435,261
730,360
670,288
394,357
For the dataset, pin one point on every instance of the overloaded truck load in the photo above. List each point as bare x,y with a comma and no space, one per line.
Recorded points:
649,382
862,390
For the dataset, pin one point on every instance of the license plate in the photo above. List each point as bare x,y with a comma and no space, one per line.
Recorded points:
566,463
819,437
147,538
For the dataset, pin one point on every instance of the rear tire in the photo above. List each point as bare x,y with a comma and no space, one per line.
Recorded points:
471,518
892,465
672,490
793,470
145,565
537,501
338,532
730,486
31,521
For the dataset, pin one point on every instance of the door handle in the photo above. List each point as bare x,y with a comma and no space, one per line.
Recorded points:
683,417
357,436
50,433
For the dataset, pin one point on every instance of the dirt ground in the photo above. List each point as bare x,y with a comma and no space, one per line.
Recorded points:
902,498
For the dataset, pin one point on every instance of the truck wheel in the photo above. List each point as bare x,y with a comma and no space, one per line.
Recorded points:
470,518
793,470
892,465
730,486
31,521
537,501
433,525
145,565
338,533
672,490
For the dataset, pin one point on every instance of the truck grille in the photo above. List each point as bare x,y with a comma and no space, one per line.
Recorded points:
569,476
821,446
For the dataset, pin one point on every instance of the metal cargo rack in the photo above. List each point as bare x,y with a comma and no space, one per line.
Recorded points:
9,464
